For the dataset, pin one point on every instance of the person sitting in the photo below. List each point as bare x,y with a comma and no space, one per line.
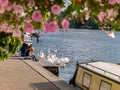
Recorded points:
23,49
30,53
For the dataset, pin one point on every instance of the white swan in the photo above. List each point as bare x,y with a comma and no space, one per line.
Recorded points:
42,55
64,60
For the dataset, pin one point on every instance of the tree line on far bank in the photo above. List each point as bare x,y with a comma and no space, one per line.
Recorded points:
90,24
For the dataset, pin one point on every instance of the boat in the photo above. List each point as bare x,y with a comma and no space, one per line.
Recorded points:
97,75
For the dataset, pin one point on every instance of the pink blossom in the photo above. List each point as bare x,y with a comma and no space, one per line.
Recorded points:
19,33
28,20
101,16
28,27
110,34
14,5
4,3
118,1
10,29
2,10
65,24
112,2
50,27
87,16
56,9
31,3
4,27
18,9
8,7
109,13
18,26
36,16
46,27
16,33
53,26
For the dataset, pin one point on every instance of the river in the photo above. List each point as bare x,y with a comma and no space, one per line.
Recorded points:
80,45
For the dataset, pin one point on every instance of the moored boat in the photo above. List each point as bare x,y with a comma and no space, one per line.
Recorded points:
97,76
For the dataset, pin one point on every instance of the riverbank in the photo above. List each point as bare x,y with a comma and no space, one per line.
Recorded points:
17,74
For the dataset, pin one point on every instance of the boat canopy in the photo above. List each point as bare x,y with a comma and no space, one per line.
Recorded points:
110,70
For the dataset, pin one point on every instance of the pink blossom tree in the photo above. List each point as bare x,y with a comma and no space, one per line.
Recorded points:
19,16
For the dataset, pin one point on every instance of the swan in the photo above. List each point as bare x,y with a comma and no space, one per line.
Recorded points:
52,57
64,59
42,55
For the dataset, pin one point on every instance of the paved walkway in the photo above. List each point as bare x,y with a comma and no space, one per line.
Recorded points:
16,74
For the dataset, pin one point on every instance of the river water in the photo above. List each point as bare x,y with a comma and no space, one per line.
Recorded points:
79,45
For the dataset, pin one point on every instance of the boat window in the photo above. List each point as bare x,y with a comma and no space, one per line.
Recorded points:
86,80
105,86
